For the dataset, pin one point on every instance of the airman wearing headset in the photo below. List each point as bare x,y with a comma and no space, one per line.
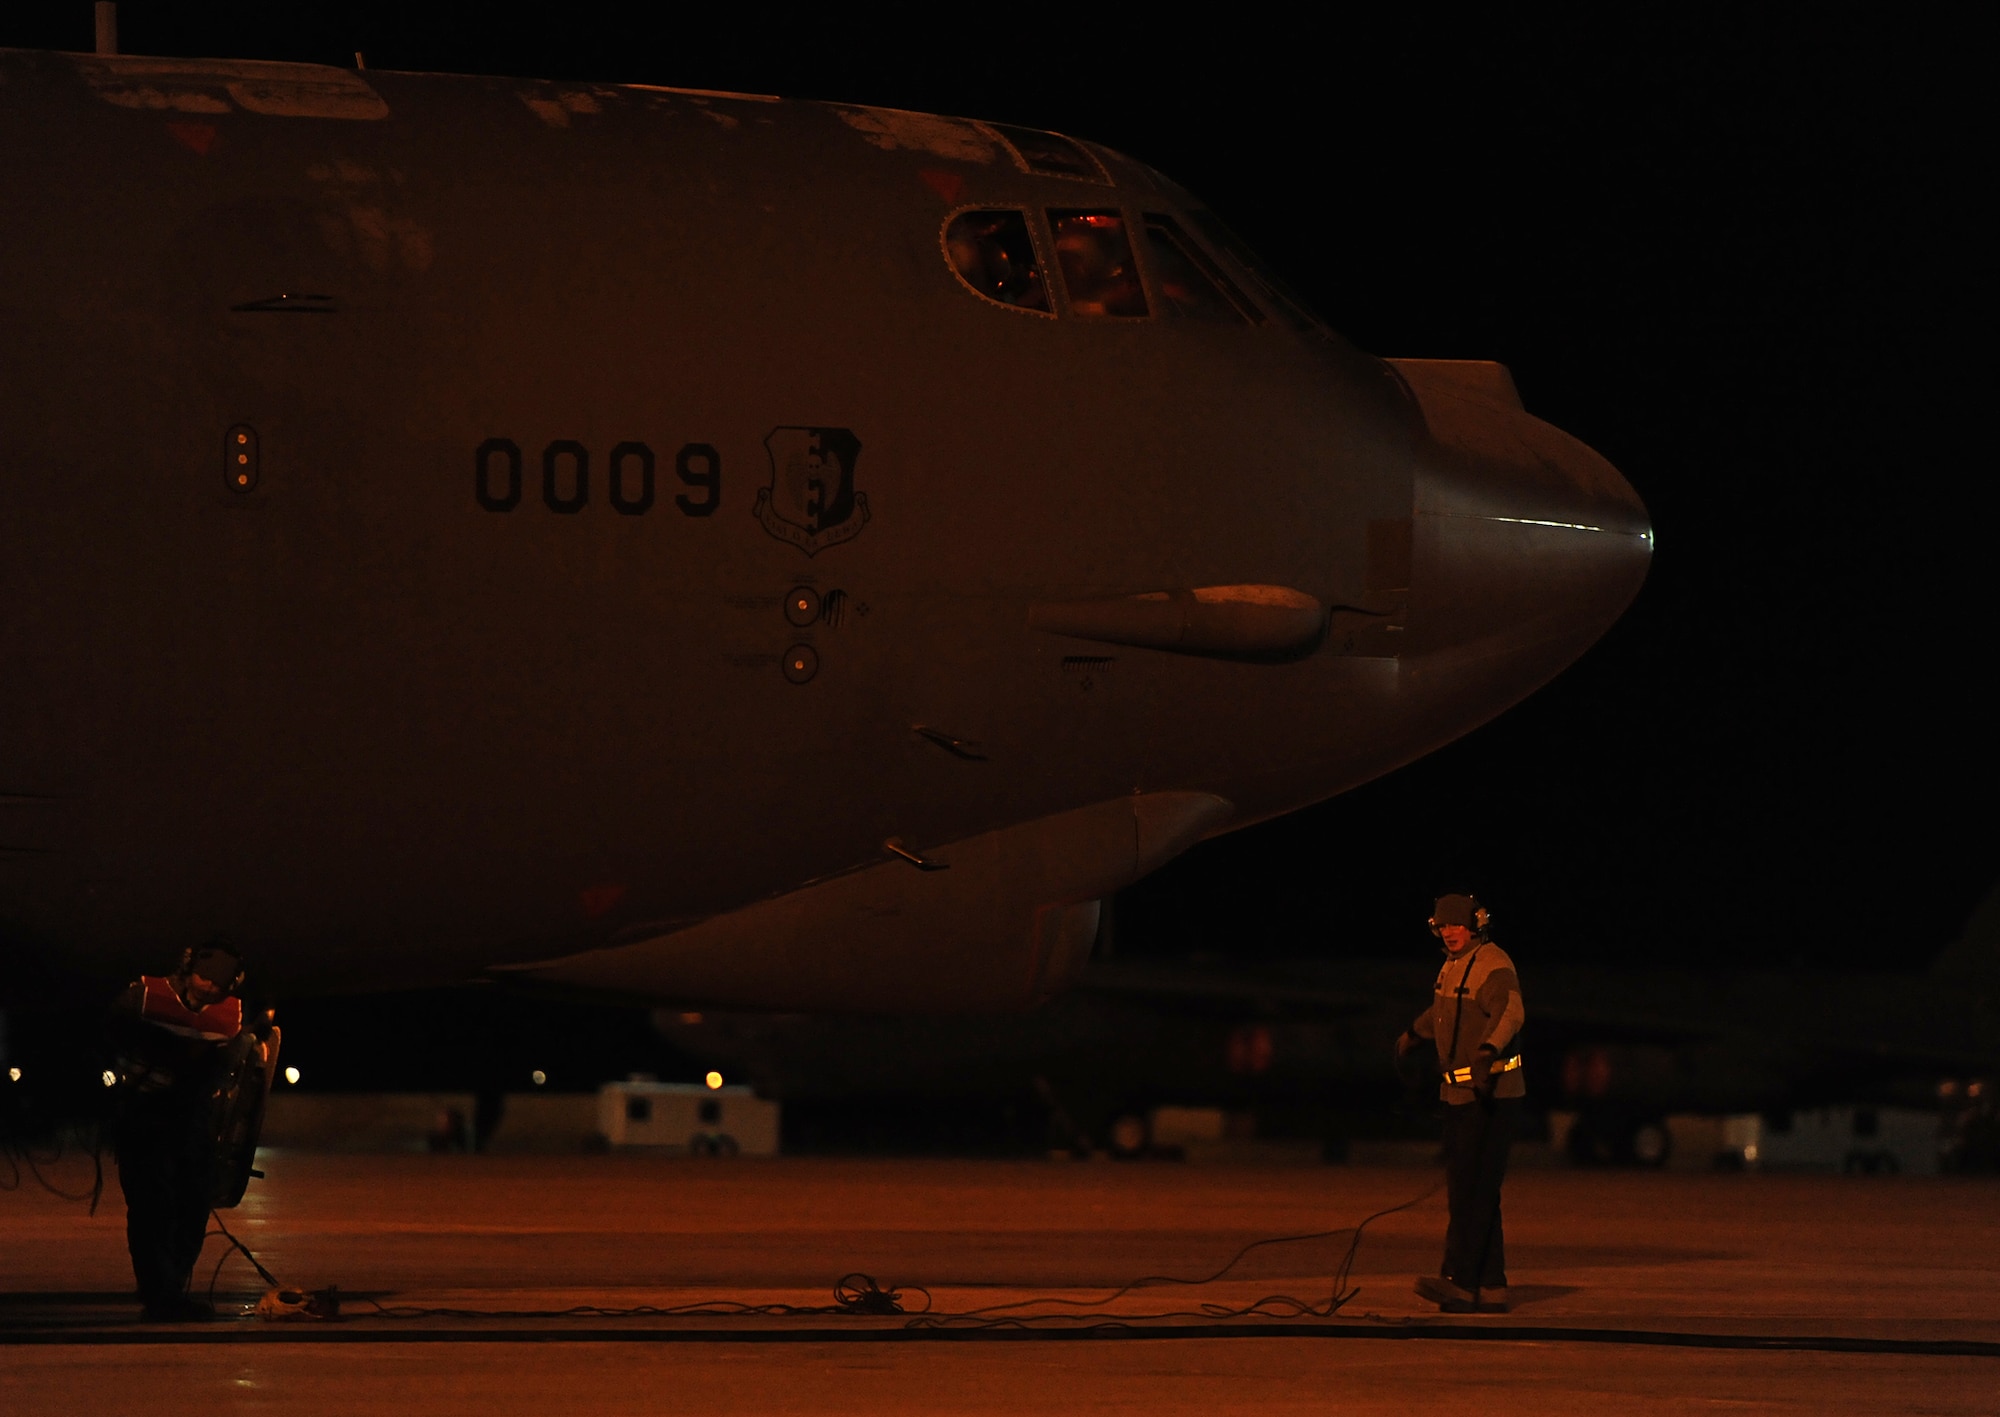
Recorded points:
1474,1023
168,1032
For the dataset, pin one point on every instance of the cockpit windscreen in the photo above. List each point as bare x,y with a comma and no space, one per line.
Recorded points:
994,254
1095,255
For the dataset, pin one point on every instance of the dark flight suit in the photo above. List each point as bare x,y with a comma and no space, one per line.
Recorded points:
1477,1001
168,1054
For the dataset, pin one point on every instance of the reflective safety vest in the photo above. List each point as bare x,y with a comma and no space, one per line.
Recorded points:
162,1007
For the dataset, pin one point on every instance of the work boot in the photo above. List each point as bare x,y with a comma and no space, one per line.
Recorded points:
1491,1300
1446,1295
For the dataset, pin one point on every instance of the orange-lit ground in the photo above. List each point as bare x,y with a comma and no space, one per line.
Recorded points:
1805,1257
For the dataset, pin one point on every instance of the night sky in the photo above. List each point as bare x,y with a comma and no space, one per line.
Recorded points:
1735,255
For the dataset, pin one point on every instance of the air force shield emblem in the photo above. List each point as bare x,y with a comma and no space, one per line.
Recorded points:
811,501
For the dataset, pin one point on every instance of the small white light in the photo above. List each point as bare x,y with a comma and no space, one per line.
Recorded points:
539,1077
1750,1152
13,1074
110,1078
714,1080
292,1076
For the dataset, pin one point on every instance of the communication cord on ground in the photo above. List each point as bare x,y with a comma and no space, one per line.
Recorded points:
860,1294
1092,1313
279,1301
19,1154
853,1293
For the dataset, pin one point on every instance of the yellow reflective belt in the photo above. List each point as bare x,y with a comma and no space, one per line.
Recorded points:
1463,1076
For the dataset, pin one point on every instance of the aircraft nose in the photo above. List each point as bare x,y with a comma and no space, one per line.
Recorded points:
1524,538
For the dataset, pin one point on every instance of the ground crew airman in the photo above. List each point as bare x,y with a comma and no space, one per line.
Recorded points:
1474,1023
168,1031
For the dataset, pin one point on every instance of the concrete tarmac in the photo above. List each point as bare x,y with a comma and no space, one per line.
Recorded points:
1634,1293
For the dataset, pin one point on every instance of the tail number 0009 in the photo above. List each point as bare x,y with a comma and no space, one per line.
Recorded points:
629,474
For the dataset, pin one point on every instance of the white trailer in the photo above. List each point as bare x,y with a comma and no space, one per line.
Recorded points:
1849,1139
687,1119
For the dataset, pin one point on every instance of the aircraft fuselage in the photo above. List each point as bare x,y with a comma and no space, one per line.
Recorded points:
631,476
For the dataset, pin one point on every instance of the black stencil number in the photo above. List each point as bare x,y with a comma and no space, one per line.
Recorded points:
700,467
552,461
508,455
624,457
631,477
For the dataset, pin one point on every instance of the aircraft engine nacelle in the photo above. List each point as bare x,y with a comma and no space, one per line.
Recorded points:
995,922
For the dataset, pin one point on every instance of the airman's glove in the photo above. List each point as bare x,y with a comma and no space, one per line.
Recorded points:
1482,1070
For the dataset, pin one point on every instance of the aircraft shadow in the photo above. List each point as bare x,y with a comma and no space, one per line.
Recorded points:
1521,1295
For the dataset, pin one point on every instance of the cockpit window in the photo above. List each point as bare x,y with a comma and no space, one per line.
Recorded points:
1265,283
1050,154
1190,285
993,253
1095,256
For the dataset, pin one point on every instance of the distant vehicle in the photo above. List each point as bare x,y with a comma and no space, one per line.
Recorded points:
1854,1140
695,547
687,1119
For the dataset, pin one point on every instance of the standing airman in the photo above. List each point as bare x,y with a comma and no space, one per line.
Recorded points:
1474,1022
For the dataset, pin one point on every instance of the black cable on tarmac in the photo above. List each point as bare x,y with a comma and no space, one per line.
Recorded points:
1270,1306
858,1293
22,1154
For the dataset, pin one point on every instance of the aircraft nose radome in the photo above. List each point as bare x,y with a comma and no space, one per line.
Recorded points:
1523,535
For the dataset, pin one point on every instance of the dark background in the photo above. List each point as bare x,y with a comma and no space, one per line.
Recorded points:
1734,251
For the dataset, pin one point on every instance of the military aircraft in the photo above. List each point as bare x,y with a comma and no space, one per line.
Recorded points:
1308,1042
692,546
